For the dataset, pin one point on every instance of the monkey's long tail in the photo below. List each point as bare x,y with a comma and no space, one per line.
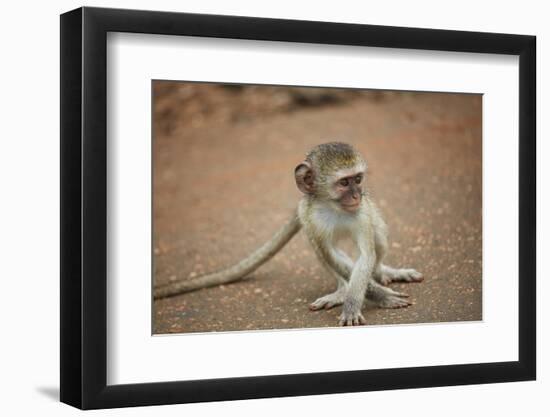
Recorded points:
237,271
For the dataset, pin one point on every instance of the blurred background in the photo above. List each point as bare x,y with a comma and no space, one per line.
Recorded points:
223,184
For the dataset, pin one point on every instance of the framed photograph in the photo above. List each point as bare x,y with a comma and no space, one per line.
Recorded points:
258,208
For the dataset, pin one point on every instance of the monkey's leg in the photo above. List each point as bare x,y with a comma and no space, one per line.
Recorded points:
340,265
386,275
379,295
333,262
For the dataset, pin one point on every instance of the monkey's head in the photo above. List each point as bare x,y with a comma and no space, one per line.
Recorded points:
333,172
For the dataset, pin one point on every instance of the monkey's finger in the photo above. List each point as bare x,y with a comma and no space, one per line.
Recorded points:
416,276
322,304
345,321
402,303
394,302
399,294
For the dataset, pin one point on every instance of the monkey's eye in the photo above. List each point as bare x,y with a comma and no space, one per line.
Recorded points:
344,182
358,179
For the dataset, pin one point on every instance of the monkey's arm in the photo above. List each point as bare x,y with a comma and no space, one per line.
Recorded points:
237,271
360,278
327,256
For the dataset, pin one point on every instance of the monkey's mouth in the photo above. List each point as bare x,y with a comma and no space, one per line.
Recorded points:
351,207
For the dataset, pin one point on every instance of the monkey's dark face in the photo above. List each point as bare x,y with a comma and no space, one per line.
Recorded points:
348,191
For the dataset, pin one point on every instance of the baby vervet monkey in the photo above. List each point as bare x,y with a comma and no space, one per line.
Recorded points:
334,207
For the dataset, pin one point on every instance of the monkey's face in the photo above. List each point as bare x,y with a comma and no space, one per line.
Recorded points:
333,173
347,189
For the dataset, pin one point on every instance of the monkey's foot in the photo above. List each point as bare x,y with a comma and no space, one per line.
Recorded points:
386,297
394,301
328,301
389,275
351,319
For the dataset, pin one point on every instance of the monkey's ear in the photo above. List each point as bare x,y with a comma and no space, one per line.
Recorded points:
305,177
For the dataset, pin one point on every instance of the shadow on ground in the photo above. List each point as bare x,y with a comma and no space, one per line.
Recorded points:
49,392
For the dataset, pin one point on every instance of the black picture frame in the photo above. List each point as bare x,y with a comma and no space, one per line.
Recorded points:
84,207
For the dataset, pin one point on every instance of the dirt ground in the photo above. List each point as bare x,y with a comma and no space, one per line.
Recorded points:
223,184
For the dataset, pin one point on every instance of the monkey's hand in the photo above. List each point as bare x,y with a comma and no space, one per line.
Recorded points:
351,313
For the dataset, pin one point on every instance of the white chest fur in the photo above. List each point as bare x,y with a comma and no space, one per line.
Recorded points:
335,225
